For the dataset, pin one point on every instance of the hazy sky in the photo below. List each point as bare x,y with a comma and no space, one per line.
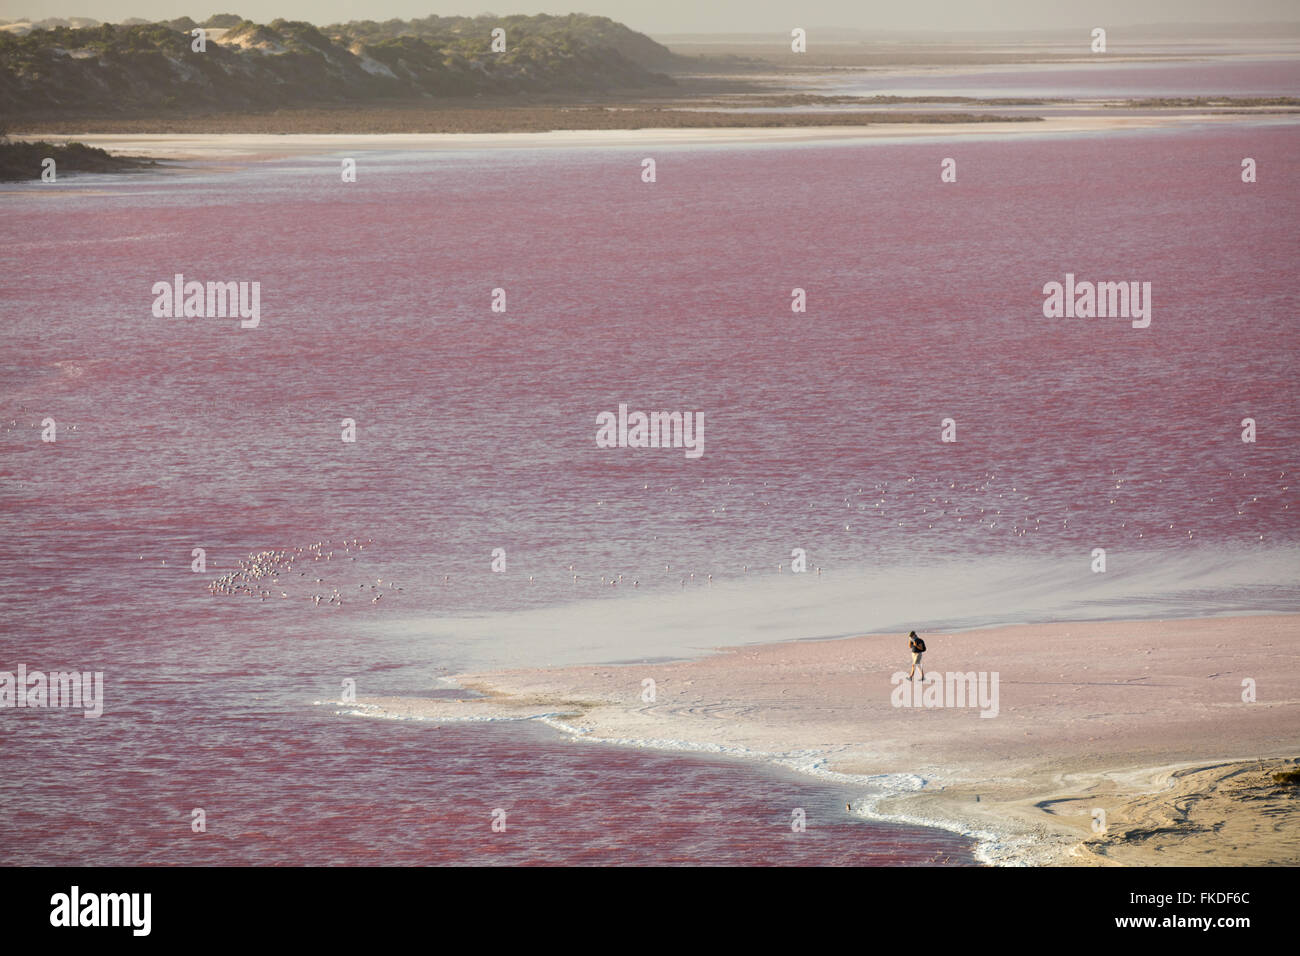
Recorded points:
711,16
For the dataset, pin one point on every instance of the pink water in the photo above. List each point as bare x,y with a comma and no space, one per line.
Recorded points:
476,431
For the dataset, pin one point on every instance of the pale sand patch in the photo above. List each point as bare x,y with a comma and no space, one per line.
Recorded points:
261,146
1144,720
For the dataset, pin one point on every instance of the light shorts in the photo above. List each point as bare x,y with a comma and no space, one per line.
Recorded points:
916,658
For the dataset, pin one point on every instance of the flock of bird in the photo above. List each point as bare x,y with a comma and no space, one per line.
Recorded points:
259,574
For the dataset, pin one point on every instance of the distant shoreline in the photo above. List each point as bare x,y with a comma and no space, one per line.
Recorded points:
217,150
438,76
754,111
378,120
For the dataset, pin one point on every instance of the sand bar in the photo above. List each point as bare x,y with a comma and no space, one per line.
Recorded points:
253,146
1144,721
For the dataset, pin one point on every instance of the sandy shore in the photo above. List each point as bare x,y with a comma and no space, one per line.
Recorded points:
252,146
1142,722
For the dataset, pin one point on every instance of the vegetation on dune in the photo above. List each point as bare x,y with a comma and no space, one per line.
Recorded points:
22,160
222,21
120,69
1291,777
472,34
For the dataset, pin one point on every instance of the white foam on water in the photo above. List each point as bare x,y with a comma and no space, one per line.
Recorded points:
992,848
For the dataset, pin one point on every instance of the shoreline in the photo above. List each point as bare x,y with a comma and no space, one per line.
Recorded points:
225,147
1155,735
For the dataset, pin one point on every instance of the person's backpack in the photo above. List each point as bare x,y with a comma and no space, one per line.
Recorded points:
918,645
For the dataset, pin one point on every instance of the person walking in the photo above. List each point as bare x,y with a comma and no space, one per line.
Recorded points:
917,647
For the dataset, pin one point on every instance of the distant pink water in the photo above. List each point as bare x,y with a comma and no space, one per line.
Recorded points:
476,430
